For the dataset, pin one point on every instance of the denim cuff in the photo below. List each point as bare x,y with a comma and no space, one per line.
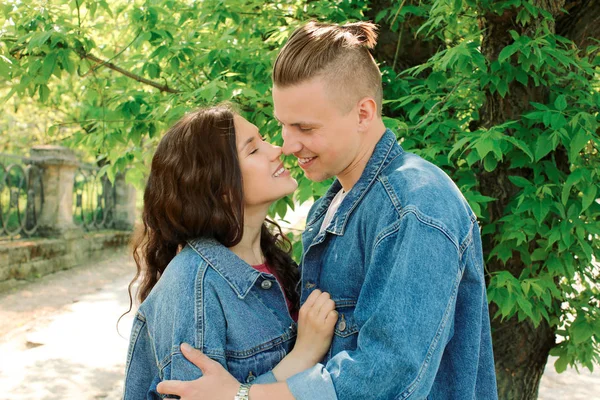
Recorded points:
314,383
267,377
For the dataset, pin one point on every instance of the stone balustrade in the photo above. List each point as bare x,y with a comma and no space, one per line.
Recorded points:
45,225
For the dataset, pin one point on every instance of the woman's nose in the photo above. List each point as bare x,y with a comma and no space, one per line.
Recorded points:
276,150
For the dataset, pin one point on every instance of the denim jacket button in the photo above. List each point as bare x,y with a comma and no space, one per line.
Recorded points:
250,377
342,324
266,284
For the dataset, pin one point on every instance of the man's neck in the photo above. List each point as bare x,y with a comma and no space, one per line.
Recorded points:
353,172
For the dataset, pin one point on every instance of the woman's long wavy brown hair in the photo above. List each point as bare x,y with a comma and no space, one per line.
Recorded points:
195,190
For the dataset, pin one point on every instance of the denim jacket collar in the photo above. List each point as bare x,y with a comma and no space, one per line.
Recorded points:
385,151
238,274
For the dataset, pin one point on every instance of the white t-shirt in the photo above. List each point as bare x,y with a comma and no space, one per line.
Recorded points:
333,207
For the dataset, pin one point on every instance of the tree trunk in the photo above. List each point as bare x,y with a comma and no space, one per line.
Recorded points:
581,23
402,49
520,349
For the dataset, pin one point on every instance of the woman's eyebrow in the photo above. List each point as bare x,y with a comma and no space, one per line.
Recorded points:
247,142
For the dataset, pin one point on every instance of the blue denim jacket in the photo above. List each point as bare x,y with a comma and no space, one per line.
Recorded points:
211,299
402,259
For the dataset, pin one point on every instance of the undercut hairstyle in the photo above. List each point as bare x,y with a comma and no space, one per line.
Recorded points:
338,54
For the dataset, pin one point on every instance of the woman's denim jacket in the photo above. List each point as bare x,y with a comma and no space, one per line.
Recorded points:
211,299
402,259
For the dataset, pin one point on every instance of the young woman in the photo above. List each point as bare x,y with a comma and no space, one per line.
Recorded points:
211,273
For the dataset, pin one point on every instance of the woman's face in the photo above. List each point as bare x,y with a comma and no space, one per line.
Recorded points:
264,177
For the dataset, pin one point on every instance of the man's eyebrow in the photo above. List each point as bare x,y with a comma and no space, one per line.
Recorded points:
295,123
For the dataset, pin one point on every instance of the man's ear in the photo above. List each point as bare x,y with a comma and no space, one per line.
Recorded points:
367,112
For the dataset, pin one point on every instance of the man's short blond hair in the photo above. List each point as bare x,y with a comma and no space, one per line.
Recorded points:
338,54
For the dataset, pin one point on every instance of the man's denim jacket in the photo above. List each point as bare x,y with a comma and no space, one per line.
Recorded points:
213,300
402,259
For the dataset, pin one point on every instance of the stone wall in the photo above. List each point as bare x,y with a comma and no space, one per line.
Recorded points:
34,258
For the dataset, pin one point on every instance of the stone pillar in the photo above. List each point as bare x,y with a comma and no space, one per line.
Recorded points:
125,204
58,165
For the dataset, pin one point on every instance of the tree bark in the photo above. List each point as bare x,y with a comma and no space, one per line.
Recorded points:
581,22
520,349
402,50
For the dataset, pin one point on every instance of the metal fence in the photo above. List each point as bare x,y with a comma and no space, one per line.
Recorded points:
21,196
94,199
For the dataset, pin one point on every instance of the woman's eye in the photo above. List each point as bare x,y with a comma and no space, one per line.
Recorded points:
253,151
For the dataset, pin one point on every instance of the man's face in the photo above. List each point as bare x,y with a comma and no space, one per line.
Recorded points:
324,137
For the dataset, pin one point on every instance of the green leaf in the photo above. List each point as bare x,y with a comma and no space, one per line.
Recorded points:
48,66
527,308
38,39
490,163
535,115
560,103
589,196
522,77
581,331
557,121
502,88
484,146
580,139
519,181
520,145
573,178
380,15
508,51
5,66
44,92
543,146
561,364
538,255
540,210
153,70
458,146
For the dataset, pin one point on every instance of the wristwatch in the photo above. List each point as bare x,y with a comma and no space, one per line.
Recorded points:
243,392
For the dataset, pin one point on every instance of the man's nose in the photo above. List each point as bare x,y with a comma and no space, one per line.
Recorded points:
290,143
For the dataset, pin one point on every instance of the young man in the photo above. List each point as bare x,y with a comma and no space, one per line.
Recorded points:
393,241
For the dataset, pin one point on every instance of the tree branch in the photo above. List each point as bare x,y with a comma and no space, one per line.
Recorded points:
92,70
162,88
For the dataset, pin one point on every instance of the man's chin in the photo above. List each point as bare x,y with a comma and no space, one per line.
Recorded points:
316,176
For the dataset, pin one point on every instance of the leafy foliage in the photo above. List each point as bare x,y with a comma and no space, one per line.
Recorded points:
548,151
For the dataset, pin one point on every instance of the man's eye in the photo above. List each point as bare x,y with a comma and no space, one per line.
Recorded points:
303,129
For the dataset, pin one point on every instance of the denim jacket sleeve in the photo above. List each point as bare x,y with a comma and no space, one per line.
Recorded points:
407,307
141,372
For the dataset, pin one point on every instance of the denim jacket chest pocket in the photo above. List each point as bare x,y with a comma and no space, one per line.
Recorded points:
258,336
346,328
